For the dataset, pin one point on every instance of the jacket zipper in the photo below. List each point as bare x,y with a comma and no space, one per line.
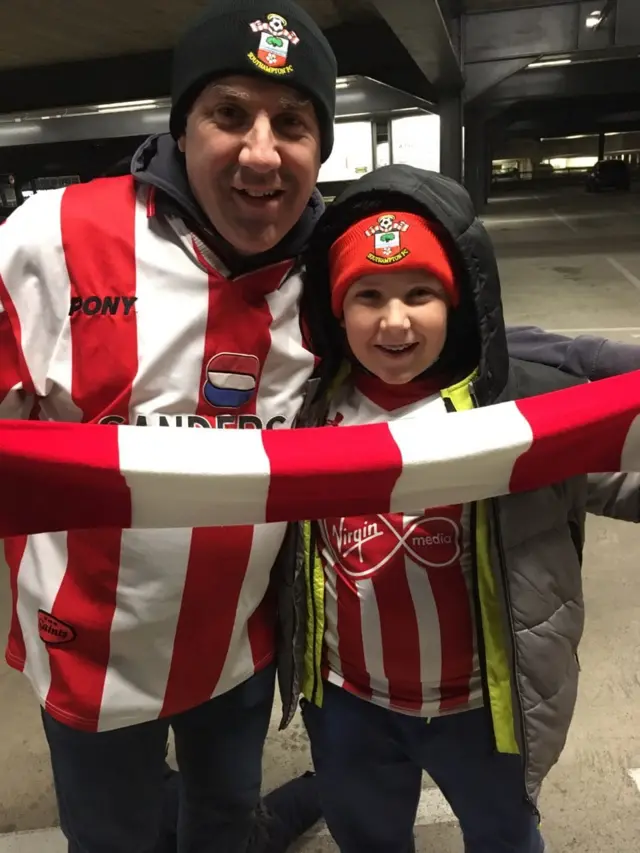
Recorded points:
314,614
291,702
309,401
514,662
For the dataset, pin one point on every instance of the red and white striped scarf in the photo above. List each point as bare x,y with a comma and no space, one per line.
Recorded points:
73,476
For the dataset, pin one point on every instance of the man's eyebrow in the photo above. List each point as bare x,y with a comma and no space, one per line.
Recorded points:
287,102
291,102
229,91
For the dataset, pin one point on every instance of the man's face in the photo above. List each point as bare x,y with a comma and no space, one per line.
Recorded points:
252,150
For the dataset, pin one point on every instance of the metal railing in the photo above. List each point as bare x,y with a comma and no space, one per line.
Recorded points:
546,177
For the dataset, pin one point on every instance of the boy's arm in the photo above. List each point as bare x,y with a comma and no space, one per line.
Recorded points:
614,496
611,495
586,356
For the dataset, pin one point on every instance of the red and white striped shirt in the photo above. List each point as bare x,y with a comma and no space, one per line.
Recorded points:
111,315
398,601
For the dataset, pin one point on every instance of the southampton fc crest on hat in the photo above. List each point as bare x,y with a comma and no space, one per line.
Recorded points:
387,240
272,55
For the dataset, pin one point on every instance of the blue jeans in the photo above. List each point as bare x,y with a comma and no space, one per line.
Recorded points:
110,785
369,763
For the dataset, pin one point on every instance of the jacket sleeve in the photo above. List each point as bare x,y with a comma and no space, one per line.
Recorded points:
614,496
586,356
33,287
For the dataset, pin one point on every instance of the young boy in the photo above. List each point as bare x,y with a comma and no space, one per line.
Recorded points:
442,640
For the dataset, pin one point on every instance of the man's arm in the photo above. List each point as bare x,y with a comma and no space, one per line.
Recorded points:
34,288
16,392
586,356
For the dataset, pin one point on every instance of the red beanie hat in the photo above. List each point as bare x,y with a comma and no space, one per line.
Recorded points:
388,241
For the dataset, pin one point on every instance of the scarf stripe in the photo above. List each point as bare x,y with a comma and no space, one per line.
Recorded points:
75,476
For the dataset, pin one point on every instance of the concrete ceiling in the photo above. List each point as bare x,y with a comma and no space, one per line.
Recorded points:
36,33
501,5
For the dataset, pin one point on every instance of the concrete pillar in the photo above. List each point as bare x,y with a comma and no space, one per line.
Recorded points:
451,136
488,168
601,146
477,161
627,23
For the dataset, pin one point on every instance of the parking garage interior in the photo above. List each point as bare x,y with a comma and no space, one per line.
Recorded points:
518,99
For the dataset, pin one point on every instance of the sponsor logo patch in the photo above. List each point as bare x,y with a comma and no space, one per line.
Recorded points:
363,546
53,631
232,379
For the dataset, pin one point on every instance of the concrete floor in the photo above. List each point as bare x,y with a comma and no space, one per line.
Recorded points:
570,262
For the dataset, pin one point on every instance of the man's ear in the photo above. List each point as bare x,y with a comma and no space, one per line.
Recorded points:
182,143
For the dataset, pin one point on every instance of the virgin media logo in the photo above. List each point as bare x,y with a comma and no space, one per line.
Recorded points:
363,546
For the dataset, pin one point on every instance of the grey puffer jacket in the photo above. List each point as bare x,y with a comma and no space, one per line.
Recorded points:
528,567
587,356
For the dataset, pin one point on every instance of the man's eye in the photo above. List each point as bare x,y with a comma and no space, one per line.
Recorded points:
291,122
227,114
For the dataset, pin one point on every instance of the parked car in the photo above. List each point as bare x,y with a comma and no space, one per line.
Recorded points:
609,175
511,174
543,170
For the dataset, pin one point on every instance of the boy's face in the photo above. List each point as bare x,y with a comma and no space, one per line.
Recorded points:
396,323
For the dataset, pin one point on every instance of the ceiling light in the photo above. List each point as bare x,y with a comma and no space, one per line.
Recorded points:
594,19
548,63
563,138
126,105
128,108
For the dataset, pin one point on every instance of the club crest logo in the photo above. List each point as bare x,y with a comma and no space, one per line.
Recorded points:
272,55
387,240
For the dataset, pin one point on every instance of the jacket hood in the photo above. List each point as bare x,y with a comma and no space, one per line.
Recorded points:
476,333
160,164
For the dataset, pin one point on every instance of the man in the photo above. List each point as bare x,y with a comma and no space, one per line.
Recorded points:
168,298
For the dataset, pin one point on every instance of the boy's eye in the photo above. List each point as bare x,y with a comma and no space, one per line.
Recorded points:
420,294
368,295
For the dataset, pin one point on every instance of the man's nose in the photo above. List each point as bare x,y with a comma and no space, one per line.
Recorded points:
260,150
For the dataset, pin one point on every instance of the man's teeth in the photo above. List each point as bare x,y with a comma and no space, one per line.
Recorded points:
260,194
398,348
